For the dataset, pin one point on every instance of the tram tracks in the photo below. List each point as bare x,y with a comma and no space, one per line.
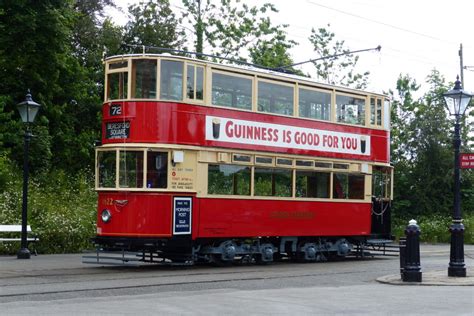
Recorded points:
146,282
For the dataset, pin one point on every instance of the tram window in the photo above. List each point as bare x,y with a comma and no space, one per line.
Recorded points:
241,158
381,183
379,112
118,65
131,169
106,169
340,188
372,111
314,104
157,170
144,79
195,82
319,164
284,162
340,166
304,163
275,98
376,111
231,91
228,180
312,184
272,182
264,160
348,186
171,80
350,110
117,86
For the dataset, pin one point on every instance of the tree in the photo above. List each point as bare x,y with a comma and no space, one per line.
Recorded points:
422,151
229,28
153,23
274,53
338,70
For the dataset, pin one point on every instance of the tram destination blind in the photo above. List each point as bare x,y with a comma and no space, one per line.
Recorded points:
117,130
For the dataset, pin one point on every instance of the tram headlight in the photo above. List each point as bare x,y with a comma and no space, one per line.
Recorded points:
106,216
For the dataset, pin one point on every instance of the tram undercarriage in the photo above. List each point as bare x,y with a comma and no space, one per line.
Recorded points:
184,251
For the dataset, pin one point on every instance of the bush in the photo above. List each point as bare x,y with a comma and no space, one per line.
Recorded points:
435,228
61,211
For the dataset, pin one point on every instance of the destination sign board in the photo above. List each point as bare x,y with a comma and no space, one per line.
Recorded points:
117,130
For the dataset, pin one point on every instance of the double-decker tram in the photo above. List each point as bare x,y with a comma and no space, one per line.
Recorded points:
201,161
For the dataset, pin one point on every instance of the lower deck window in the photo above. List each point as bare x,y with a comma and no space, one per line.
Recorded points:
228,180
272,182
312,184
131,169
157,170
348,186
106,169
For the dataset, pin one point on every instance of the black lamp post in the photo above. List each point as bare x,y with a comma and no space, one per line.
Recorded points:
457,102
28,110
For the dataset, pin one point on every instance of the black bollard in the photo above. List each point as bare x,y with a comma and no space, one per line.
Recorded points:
412,268
402,246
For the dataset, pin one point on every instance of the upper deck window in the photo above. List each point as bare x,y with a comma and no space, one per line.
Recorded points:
350,110
376,111
315,104
118,65
275,98
144,79
117,85
195,82
171,80
231,91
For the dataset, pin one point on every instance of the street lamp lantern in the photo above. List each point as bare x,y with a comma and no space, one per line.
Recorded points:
28,110
457,102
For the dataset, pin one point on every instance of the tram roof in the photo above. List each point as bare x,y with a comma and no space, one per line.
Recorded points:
256,70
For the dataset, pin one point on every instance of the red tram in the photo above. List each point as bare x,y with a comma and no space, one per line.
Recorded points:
207,162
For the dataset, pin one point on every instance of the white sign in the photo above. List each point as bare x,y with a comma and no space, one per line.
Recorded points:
229,130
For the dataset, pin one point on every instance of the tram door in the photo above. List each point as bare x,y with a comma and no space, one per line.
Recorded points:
381,202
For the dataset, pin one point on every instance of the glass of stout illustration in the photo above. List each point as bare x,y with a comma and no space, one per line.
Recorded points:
362,144
216,127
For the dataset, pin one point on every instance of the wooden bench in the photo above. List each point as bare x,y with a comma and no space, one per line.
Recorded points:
11,229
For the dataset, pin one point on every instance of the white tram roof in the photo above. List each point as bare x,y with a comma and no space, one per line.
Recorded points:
255,70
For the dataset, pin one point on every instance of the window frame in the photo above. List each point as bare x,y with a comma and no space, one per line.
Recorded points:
314,89
250,77
204,83
365,116
292,85
183,80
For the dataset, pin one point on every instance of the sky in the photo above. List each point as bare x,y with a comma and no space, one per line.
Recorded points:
416,36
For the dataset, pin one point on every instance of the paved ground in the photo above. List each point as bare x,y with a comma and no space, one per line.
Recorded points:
61,284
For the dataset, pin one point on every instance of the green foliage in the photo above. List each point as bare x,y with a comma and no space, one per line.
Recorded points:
338,70
421,149
62,210
153,23
230,26
435,228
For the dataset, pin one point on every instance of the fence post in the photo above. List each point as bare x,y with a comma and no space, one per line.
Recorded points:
412,268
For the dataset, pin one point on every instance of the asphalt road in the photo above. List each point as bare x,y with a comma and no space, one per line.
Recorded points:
61,284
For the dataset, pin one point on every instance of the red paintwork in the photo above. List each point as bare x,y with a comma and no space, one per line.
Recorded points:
144,214
177,123
240,218
150,215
